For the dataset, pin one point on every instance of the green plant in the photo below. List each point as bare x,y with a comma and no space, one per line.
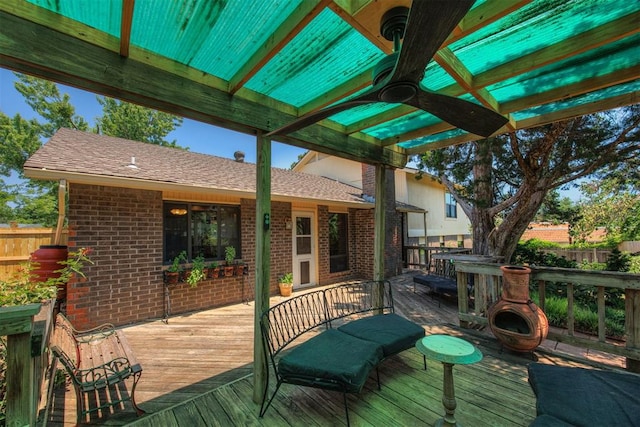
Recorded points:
176,264
229,254
197,271
22,289
286,279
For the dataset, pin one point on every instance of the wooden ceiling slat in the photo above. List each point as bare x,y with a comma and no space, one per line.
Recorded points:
125,27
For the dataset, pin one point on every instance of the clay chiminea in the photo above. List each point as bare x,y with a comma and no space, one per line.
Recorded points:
515,320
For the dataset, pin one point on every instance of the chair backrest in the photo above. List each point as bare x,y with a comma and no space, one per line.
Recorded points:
63,344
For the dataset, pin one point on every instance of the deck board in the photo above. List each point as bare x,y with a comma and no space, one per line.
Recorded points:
197,371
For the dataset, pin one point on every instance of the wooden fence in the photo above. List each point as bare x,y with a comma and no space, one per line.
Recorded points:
17,244
580,255
631,246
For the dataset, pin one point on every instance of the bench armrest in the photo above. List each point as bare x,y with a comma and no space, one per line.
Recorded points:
100,376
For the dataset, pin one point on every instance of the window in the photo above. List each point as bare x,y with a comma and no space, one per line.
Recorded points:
200,229
451,207
338,242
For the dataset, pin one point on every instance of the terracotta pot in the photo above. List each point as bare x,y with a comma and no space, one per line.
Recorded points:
228,270
48,259
239,269
286,289
515,283
171,277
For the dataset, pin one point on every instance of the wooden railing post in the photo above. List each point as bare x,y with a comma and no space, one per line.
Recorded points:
632,316
17,323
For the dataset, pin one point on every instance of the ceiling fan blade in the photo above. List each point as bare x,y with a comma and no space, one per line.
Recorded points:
308,119
430,23
463,114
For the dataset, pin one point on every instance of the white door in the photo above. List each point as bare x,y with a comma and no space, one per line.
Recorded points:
304,272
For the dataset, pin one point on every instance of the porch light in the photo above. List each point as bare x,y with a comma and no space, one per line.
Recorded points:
178,211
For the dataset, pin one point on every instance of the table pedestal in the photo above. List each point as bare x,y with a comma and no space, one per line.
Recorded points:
448,398
450,351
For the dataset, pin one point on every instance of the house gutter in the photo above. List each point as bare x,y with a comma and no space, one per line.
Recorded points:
62,192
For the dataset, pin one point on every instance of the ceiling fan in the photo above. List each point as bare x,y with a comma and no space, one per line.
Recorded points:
396,78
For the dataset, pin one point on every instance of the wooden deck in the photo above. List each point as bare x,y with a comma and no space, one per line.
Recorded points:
197,371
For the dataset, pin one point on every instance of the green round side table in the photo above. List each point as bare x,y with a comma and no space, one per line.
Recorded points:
450,351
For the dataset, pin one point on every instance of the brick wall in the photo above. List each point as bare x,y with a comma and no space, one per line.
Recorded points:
123,227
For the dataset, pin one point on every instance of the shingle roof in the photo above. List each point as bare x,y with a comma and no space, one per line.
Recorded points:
79,153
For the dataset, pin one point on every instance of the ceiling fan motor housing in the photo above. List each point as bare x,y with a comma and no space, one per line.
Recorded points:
393,22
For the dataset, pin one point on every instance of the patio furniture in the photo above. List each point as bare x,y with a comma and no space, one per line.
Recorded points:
95,360
450,351
584,397
440,278
356,330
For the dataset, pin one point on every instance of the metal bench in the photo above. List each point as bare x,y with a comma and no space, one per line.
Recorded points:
358,329
440,278
96,359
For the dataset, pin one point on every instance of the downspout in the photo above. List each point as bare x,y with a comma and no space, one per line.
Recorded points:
62,192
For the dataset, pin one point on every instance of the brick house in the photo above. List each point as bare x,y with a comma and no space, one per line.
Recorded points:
137,205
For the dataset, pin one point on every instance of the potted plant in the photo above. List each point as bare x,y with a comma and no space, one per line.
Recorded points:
197,273
229,256
173,272
285,282
214,270
239,267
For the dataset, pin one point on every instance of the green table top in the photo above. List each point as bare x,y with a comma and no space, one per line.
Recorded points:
448,349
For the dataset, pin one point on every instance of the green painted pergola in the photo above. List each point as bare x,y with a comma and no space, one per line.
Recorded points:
255,65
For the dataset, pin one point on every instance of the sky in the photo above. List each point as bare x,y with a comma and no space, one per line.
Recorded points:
199,137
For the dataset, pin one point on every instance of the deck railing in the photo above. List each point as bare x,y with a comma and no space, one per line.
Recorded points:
418,256
487,290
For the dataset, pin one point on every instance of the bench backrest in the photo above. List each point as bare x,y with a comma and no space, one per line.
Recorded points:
286,321
63,343
443,266
354,298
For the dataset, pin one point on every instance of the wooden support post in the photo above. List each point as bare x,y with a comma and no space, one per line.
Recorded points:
263,258
379,234
17,323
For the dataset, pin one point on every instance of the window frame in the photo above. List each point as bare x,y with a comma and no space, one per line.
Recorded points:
450,206
167,205
340,259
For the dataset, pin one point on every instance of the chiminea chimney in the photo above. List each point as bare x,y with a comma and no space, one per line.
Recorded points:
239,156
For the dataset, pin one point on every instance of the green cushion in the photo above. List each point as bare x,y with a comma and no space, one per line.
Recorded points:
579,397
331,360
393,332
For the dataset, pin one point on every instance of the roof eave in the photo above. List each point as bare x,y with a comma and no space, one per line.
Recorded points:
143,184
